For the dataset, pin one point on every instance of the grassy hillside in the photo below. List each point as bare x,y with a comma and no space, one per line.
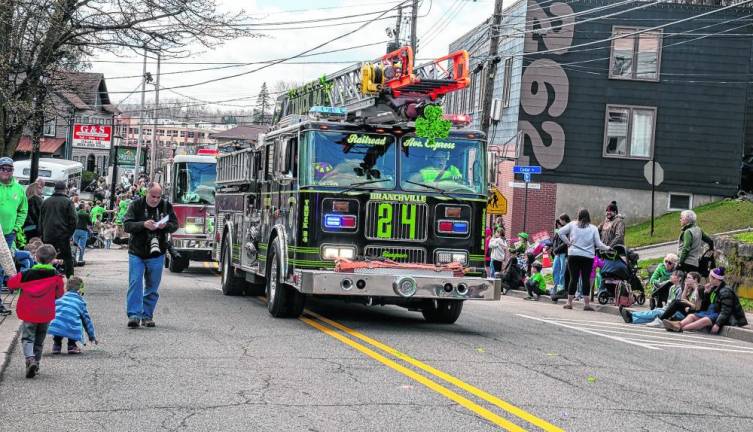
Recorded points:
713,218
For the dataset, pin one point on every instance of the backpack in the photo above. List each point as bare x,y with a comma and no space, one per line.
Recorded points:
706,263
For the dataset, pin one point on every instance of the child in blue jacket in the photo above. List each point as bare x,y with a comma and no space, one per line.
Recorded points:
71,315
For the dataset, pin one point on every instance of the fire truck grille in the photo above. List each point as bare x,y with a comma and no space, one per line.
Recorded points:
388,221
398,254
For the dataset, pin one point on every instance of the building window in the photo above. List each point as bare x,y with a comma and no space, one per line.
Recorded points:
635,56
629,132
49,128
190,134
507,82
679,201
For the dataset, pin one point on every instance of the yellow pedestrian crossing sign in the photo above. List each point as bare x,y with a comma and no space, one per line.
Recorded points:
496,204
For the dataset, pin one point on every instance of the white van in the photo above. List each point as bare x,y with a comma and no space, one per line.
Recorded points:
51,170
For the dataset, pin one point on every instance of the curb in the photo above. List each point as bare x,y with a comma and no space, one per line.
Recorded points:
612,310
8,340
744,334
738,333
658,245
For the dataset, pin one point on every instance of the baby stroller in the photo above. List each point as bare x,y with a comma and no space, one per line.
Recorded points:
620,282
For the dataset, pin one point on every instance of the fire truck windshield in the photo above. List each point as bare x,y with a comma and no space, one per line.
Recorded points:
342,158
451,164
195,183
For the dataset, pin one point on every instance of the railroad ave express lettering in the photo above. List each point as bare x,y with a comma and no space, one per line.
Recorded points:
383,196
367,140
436,145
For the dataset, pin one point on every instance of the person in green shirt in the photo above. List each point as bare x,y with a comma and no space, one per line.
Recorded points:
521,245
659,280
13,203
535,284
97,212
122,209
442,172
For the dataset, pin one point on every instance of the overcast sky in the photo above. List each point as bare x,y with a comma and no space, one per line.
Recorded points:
441,21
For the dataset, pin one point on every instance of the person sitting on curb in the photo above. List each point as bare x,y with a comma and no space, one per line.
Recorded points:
691,301
536,285
724,309
659,281
676,293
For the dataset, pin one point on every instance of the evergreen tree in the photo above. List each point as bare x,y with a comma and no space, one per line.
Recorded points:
263,105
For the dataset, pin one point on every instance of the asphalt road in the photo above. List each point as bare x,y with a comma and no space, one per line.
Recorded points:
223,363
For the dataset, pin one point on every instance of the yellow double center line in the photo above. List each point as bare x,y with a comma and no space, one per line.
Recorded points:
317,321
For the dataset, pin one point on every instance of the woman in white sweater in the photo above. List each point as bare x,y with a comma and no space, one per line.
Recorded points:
582,239
497,248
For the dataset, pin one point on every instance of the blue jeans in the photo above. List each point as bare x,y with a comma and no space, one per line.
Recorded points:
10,239
646,317
558,270
144,276
80,237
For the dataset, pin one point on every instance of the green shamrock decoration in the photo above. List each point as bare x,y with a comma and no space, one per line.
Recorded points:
431,125
326,87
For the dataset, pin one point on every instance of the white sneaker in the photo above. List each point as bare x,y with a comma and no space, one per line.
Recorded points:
655,323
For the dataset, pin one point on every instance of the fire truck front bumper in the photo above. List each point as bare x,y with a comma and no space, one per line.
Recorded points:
401,284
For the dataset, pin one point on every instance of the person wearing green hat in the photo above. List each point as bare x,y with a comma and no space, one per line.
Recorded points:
520,246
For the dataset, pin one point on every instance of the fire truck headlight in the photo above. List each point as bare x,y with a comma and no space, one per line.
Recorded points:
194,225
334,252
446,257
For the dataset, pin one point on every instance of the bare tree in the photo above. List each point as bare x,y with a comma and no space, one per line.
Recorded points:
41,38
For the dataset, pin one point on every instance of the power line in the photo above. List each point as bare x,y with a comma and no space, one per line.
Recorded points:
234,65
341,36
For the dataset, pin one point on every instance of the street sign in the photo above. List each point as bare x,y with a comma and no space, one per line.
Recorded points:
527,177
496,204
522,169
522,185
92,136
647,170
127,156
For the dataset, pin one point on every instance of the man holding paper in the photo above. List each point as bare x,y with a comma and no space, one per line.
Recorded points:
149,220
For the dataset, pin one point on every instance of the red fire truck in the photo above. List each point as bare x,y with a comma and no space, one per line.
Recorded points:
191,187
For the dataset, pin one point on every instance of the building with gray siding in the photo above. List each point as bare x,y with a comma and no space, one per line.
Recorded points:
594,90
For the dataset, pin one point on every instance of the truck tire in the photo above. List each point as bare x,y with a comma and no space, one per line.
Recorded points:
446,312
232,284
283,301
177,265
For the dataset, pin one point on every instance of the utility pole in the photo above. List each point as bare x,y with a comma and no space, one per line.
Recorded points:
395,44
141,121
155,147
37,126
414,25
491,70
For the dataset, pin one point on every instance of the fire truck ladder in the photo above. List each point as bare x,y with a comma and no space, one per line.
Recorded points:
390,79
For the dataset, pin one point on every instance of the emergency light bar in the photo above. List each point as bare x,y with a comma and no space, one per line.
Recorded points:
319,111
459,119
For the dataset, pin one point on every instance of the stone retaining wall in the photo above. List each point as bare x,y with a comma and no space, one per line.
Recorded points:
737,257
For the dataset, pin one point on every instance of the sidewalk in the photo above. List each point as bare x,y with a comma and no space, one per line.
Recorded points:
744,334
9,326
